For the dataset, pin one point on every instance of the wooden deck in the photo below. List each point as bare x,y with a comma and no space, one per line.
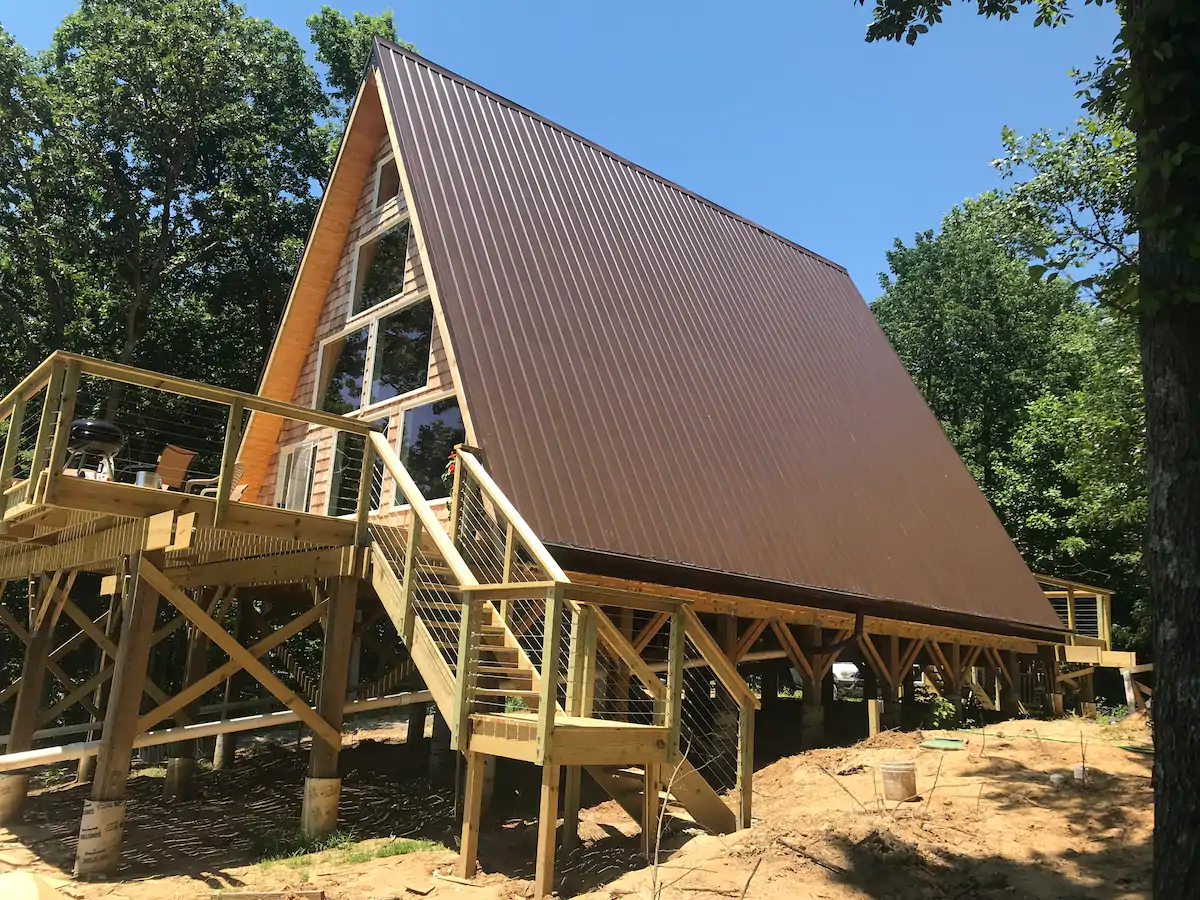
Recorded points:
577,741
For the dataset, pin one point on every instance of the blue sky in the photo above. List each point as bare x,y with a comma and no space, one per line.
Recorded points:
779,111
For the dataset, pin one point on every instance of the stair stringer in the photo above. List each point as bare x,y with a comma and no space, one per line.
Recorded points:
421,647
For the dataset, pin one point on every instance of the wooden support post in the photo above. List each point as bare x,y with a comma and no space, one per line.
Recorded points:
543,879
180,782
745,764
323,786
441,757
103,821
674,707
812,722
573,776
650,811
467,665
472,810
365,483
415,728
489,783
225,749
1087,696
1010,684
87,764
45,595
1048,654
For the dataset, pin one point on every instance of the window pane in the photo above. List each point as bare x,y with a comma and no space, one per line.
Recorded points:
402,351
381,268
298,470
347,466
346,362
427,437
389,183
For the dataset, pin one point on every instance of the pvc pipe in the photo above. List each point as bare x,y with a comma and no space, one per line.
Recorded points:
45,756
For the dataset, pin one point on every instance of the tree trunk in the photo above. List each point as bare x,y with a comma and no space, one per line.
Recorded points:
1163,37
1171,369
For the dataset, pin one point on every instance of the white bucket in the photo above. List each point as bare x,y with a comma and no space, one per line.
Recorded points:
318,816
899,779
100,832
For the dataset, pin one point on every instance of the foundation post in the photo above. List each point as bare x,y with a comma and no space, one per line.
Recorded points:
1087,697
87,764
103,823
15,785
650,801
1010,686
472,810
225,746
323,786
1054,697
415,729
180,783
543,879
441,757
812,720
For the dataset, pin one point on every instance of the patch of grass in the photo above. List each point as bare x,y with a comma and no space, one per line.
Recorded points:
149,772
296,851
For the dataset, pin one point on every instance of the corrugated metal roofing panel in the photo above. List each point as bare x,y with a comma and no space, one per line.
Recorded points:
654,376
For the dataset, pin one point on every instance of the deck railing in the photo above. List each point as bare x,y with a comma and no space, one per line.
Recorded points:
200,424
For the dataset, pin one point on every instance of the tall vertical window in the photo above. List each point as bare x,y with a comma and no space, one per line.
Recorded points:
427,437
379,269
294,477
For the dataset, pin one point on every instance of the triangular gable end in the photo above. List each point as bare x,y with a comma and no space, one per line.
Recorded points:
356,210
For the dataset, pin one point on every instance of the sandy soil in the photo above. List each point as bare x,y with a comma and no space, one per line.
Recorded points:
990,824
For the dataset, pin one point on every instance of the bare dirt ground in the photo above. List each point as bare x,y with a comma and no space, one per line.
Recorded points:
990,825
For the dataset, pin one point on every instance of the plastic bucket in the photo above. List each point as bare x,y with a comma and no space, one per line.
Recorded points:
899,780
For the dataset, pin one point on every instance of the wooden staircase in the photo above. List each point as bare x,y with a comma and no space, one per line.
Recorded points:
508,648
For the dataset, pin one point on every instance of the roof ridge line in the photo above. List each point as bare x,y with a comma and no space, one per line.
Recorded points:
666,182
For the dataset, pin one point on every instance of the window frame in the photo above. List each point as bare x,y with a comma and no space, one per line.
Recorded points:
371,322
375,234
286,452
400,412
387,206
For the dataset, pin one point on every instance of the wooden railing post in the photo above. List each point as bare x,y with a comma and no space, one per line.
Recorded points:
551,636
362,520
408,585
41,448
456,495
12,444
674,706
233,442
468,655
62,430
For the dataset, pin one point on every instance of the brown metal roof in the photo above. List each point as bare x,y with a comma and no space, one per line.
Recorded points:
655,377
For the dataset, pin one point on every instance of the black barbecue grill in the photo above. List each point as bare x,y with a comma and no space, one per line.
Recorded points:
93,446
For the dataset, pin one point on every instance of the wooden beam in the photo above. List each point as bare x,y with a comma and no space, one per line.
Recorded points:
725,671
787,641
219,636
746,641
875,661
653,627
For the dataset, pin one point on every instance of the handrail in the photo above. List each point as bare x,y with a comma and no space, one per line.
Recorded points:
420,507
185,387
532,542
29,385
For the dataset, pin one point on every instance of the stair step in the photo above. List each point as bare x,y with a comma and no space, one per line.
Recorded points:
508,692
494,649
502,671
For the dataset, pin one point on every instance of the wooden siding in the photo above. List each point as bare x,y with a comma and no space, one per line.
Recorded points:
333,317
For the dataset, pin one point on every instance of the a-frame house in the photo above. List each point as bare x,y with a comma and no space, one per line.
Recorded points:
593,445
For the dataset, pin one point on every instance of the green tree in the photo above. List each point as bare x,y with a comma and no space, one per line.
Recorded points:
1154,74
976,333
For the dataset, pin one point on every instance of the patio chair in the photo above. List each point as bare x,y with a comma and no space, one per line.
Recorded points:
208,486
173,464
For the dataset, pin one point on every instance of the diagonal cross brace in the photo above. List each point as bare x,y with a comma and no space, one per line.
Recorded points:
237,653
